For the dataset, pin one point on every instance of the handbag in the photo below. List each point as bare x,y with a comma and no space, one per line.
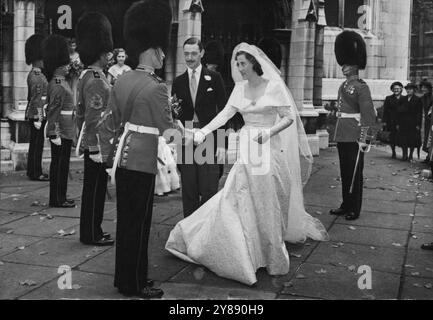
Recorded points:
125,118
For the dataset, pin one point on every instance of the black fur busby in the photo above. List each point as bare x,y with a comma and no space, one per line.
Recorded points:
272,48
147,25
33,48
94,37
350,49
214,53
55,53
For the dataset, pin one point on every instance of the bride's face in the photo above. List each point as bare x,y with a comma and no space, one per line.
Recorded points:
245,67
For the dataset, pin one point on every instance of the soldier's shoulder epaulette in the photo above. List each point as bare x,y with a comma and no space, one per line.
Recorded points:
156,78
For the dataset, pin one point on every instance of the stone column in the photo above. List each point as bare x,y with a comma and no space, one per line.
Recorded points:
301,69
189,26
24,27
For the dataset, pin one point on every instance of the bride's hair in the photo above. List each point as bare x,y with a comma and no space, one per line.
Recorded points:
256,65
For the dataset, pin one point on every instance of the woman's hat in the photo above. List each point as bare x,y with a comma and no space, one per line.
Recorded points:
396,83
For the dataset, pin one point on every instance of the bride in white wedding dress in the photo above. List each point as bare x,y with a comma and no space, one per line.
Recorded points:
244,226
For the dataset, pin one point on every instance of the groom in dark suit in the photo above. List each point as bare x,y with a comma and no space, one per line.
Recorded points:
203,97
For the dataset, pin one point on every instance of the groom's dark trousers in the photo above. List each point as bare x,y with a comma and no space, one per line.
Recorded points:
199,181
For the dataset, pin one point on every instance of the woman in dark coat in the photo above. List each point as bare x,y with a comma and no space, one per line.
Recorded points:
390,106
409,118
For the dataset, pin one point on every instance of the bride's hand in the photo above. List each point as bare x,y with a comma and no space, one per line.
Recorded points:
199,137
262,137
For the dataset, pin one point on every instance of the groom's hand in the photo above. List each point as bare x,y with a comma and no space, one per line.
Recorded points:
199,137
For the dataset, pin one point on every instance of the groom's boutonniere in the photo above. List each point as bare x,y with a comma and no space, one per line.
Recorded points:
175,106
207,78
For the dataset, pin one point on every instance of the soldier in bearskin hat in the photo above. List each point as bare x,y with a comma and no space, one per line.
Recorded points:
139,107
356,117
37,85
94,43
60,128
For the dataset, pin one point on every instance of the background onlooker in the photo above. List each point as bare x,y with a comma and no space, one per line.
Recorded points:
390,106
409,119
119,67
427,101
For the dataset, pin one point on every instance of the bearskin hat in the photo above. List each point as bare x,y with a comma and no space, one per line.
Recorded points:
93,32
33,48
147,25
214,53
55,53
272,48
350,49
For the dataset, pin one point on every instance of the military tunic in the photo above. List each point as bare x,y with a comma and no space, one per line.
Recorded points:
135,176
356,119
93,94
37,85
60,123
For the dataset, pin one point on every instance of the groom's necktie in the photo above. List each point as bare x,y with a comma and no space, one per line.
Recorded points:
193,89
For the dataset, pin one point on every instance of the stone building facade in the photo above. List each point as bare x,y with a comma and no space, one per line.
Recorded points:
306,30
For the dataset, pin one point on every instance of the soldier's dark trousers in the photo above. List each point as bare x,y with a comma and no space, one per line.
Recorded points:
36,148
134,216
59,170
92,200
347,152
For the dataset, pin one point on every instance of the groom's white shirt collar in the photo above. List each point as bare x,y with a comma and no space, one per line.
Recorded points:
197,73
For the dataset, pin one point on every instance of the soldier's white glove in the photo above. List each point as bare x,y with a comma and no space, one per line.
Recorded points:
96,157
57,141
37,124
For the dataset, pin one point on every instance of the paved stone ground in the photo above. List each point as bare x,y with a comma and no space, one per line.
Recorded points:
397,218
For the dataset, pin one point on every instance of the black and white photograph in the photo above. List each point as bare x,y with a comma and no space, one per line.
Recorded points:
237,151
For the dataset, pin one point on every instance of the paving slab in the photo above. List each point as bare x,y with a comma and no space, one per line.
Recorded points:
88,286
419,263
424,210
380,220
368,236
396,207
423,224
329,282
11,242
415,289
9,216
14,276
345,254
419,238
54,253
39,225
22,203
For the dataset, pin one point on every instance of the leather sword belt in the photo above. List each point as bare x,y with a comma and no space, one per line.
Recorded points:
134,128
344,115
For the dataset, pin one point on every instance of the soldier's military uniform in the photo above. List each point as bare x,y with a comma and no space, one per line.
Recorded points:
356,118
136,168
93,94
60,124
37,85
355,113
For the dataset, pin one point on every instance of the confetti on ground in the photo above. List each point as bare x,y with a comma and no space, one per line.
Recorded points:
76,286
414,237
373,248
409,266
333,187
63,233
28,283
415,273
34,214
319,212
321,271
352,228
42,253
295,255
21,248
352,268
2,263
417,285
396,244
429,269
300,276
428,286
9,231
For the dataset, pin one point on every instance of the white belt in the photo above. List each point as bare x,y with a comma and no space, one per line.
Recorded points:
128,127
67,113
80,139
344,115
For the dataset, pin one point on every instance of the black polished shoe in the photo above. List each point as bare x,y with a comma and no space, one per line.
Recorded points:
102,242
351,216
337,212
70,201
427,246
65,204
146,293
